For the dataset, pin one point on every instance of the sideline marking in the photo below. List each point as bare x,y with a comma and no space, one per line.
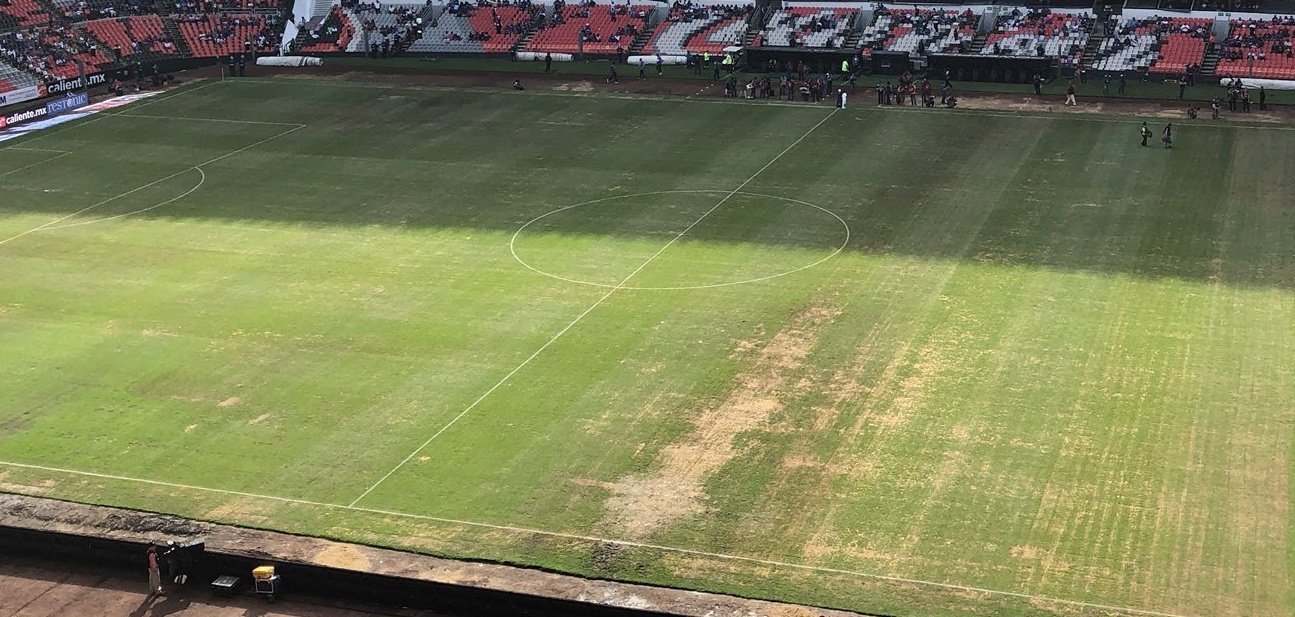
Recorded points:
61,154
570,536
52,224
187,119
30,137
599,301
512,248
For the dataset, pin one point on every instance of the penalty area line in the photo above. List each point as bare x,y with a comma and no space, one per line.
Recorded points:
619,286
596,539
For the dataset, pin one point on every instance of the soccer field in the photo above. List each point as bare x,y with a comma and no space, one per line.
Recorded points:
915,362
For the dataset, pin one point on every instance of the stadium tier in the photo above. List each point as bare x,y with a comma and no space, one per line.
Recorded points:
13,79
333,34
599,29
1261,49
219,35
1158,45
448,34
52,53
920,31
502,26
14,13
689,29
1040,33
805,26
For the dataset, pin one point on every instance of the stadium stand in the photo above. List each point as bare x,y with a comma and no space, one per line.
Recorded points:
391,23
52,53
597,29
448,34
699,29
13,79
220,35
805,26
133,35
1258,48
1166,45
1040,33
920,31
333,34
481,28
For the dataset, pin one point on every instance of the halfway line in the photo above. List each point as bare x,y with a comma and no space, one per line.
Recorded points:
593,306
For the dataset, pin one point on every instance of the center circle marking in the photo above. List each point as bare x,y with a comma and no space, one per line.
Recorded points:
512,242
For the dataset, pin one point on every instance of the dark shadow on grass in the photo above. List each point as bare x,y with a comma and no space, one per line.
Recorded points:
1194,221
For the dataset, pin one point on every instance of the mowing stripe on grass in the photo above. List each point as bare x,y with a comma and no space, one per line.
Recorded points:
223,120
62,153
599,301
52,224
54,131
626,543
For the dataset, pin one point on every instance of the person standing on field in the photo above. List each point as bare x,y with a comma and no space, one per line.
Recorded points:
1070,94
154,573
1146,134
1167,136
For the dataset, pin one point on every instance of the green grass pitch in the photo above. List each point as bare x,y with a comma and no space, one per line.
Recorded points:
910,362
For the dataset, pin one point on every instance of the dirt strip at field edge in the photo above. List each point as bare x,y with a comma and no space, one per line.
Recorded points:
40,514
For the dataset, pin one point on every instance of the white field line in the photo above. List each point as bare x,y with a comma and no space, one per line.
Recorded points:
198,167
570,536
202,179
581,316
61,154
103,116
187,119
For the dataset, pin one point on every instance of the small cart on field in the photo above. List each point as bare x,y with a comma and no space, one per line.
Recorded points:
265,582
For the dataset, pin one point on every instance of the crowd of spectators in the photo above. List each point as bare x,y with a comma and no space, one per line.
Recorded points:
925,23
1257,39
534,18
687,11
51,53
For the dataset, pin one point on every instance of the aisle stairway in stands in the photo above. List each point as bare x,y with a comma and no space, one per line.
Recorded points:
977,44
173,31
1209,64
1091,49
524,41
50,9
642,39
852,41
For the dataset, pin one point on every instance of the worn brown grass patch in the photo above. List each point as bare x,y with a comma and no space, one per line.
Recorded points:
640,505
